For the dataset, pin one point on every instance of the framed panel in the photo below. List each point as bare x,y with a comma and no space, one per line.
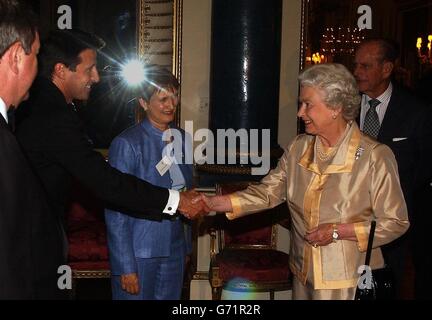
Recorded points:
159,35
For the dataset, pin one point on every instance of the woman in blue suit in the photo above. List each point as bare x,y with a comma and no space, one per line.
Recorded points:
148,256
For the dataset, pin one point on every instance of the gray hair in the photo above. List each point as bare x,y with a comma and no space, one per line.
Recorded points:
17,24
338,85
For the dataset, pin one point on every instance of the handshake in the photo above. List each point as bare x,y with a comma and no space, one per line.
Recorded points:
194,204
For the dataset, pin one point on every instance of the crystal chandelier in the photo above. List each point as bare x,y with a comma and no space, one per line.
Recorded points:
341,40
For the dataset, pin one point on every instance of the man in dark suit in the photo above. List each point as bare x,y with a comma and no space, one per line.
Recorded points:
30,235
57,147
395,117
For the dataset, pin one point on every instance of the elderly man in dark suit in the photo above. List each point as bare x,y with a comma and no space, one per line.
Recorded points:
395,117
30,235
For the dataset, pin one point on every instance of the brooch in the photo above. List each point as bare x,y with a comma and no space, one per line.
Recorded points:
359,152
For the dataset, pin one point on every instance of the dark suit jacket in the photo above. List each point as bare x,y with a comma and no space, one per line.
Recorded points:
53,139
406,129
30,235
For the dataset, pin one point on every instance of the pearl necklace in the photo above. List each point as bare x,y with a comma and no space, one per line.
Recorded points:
323,156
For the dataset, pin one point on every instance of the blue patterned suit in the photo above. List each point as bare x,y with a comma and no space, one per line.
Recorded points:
155,250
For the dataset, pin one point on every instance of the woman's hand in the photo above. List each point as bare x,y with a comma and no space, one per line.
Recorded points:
129,283
320,236
323,234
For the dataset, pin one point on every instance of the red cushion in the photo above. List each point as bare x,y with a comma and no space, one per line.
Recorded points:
249,230
87,241
86,229
86,232
253,265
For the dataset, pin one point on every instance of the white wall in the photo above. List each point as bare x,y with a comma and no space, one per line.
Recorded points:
196,61
290,61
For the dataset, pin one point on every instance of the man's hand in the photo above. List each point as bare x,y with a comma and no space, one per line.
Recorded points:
130,283
215,203
189,208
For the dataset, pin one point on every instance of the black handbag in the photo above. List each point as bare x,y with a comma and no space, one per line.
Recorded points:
381,284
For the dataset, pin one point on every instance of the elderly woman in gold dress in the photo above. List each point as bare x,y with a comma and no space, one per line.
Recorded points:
336,180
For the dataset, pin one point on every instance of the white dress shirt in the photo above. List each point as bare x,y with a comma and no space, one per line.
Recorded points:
3,110
381,109
173,202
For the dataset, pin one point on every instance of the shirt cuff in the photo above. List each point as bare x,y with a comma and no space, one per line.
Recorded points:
173,202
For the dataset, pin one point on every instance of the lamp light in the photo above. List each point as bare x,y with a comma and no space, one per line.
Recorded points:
425,59
133,72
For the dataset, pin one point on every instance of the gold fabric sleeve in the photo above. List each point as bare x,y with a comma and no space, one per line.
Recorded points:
388,203
268,194
235,203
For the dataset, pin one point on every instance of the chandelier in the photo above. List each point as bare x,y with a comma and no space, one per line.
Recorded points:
341,40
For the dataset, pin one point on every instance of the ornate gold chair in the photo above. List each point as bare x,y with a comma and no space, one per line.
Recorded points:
247,259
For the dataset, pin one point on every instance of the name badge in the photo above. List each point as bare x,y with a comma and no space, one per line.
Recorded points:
164,165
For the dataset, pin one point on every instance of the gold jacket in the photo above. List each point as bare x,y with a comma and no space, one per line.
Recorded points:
360,184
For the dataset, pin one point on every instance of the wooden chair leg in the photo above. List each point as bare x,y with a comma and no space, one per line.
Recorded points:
216,293
73,292
272,294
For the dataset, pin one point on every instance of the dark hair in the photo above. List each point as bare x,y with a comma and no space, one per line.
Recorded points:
17,24
389,49
65,46
157,78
